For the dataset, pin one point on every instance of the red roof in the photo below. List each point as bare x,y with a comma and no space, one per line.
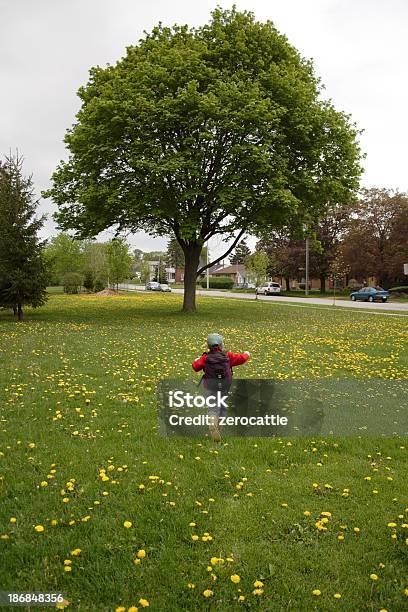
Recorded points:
233,269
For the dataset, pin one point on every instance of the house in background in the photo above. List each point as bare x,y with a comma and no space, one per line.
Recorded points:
237,272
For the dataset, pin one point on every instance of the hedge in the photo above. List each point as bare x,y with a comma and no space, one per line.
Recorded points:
218,282
403,289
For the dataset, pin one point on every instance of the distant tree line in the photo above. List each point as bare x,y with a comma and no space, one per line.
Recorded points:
366,239
370,238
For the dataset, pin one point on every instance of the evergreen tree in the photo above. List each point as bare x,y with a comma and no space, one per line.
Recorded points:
240,254
23,273
174,254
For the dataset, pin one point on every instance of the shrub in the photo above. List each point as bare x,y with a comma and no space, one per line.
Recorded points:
353,284
89,280
99,285
402,289
72,282
218,282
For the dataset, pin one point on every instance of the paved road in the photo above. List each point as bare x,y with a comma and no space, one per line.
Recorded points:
375,306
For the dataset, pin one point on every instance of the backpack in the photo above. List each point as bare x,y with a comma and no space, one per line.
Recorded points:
217,371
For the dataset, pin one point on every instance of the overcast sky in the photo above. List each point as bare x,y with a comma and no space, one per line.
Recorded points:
359,48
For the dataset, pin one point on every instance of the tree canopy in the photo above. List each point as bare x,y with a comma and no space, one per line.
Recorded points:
376,242
201,131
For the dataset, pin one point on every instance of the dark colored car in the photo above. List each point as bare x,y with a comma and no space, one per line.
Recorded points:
370,294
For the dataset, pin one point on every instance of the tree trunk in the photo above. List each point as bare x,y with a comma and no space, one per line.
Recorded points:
322,283
15,309
287,281
192,258
19,312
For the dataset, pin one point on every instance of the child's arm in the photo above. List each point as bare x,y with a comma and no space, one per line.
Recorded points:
238,358
198,364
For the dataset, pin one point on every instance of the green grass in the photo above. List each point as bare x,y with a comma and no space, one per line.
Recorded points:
95,361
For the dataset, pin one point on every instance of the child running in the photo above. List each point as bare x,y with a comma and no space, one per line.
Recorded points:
217,366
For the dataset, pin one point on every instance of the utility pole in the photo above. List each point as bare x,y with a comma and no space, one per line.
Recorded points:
307,267
208,270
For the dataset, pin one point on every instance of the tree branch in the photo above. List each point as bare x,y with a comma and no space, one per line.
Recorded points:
201,270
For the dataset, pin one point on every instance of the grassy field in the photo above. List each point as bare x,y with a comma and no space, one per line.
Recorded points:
95,504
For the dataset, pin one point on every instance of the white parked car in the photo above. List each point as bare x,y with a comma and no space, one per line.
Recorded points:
269,289
152,286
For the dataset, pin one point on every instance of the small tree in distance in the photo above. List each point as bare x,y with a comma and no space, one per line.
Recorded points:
241,252
119,261
23,272
257,265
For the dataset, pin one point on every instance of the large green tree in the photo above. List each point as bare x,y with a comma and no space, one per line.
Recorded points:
23,272
204,131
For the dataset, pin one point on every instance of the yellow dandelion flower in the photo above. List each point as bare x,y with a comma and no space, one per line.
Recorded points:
144,603
39,528
127,524
235,578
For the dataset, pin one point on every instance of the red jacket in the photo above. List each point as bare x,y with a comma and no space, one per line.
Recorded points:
235,359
